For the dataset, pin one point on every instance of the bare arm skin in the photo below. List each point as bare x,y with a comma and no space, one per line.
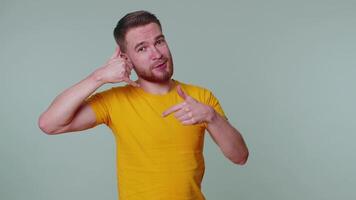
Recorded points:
228,138
68,112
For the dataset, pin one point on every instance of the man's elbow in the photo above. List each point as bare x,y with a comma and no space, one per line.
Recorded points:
241,159
45,127
241,162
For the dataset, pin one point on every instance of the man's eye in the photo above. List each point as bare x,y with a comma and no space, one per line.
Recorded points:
160,41
141,49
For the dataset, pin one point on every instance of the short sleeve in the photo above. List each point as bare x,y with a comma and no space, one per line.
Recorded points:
99,102
212,101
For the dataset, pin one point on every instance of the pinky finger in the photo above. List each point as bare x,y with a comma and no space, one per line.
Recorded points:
131,82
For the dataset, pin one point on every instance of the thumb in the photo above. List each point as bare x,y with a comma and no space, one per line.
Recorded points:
116,53
181,92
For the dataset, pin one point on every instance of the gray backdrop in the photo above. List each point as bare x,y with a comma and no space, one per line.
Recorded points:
284,72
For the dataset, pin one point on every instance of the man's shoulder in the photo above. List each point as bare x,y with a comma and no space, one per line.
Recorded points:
111,92
195,90
193,87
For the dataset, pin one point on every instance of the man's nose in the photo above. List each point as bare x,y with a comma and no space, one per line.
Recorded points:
156,53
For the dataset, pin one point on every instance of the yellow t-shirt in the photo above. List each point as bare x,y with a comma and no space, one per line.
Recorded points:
157,157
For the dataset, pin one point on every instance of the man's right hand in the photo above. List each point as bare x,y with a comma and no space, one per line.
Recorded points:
116,70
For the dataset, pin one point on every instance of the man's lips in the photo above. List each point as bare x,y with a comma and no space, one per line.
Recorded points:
160,65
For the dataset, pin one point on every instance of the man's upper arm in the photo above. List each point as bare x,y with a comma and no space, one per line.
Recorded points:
93,111
83,119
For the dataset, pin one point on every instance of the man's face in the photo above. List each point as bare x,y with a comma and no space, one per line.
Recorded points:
147,50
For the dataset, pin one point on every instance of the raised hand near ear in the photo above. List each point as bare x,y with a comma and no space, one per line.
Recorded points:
190,111
116,70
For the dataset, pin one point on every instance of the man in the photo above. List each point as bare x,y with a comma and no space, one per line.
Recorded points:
158,122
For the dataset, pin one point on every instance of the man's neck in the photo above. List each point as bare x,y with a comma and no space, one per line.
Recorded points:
156,88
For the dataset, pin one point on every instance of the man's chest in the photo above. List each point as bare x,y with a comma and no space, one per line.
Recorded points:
141,122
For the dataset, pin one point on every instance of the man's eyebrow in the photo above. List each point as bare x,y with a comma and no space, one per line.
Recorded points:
159,37
139,44
156,38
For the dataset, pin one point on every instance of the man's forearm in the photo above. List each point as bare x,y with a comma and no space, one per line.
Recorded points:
228,138
64,106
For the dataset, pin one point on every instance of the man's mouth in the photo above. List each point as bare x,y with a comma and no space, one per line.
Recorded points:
161,65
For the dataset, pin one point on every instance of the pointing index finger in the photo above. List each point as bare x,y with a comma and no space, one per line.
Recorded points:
173,109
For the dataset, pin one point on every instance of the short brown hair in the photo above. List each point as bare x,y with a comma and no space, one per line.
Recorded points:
132,20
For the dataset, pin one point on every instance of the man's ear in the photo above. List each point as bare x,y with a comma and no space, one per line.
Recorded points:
124,56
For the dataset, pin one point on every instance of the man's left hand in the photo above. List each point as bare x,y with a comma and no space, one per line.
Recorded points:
190,111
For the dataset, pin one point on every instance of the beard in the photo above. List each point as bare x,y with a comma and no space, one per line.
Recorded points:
159,76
